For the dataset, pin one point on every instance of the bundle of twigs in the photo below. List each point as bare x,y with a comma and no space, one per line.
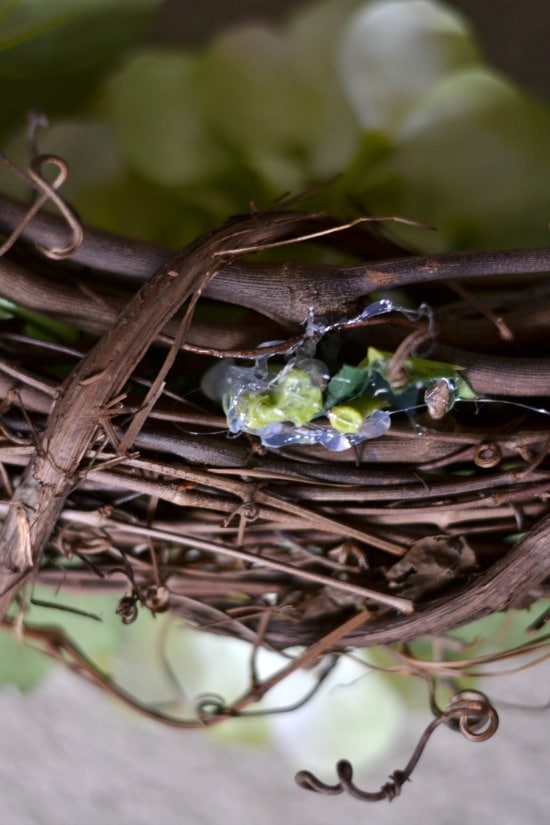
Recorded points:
118,474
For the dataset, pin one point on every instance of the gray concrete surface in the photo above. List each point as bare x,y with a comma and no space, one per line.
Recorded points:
71,756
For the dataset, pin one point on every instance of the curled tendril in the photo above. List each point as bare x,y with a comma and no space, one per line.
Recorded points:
127,609
487,455
210,706
46,192
469,712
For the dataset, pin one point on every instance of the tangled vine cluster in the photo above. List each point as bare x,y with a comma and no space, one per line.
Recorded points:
119,473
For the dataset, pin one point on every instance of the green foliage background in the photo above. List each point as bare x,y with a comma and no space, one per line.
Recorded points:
393,95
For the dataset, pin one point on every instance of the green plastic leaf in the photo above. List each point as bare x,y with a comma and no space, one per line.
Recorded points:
7,309
39,326
348,382
394,52
54,53
418,369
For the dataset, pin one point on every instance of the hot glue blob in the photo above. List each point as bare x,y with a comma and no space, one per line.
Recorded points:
300,403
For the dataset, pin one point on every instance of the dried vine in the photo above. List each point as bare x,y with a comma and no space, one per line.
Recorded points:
440,521
469,712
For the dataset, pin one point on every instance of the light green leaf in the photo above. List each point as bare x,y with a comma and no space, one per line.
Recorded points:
394,52
154,103
250,92
473,161
332,131
253,99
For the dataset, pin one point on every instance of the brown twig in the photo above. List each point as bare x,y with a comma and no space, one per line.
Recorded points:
73,422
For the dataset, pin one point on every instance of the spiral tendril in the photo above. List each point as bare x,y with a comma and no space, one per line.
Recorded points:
469,711
46,191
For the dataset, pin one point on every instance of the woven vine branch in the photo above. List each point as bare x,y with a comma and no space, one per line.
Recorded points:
122,477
